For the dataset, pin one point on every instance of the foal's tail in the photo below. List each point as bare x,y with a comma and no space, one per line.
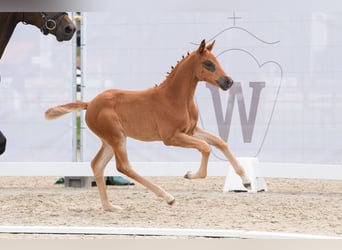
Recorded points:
56,112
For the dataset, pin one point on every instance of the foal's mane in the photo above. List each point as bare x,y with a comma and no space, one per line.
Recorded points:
170,74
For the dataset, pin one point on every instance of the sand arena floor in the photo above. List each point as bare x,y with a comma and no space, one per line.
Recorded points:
293,206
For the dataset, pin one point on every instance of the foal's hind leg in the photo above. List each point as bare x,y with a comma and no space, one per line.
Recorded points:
123,166
220,144
98,165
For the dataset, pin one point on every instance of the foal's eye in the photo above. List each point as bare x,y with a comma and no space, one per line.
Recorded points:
209,65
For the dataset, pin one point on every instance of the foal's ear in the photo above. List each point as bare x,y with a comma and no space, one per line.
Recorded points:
202,47
210,46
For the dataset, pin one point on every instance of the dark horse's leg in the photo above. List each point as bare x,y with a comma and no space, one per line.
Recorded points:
2,143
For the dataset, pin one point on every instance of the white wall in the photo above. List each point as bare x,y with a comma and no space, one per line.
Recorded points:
296,55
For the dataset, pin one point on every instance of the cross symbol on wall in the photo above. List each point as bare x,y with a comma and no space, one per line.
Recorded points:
234,17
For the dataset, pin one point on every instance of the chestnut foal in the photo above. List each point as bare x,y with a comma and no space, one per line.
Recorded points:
166,112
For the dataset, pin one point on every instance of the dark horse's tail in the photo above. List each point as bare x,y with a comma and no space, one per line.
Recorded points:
55,112
2,143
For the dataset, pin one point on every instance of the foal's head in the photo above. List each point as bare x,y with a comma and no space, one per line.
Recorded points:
208,69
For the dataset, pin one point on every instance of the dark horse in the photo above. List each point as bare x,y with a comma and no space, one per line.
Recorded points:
55,23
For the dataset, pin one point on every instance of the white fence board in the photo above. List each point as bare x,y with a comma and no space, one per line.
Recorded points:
159,232
84,169
266,170
300,171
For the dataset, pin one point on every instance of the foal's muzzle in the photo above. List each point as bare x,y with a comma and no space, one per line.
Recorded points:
225,82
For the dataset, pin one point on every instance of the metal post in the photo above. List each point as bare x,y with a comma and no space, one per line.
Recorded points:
74,95
83,81
77,95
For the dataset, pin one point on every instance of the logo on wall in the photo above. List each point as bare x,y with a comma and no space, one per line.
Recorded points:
243,116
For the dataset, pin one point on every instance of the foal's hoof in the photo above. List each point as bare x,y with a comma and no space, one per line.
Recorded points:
247,185
169,199
112,208
197,175
172,202
188,175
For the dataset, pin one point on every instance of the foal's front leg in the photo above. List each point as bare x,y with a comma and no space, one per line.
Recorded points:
187,141
222,145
